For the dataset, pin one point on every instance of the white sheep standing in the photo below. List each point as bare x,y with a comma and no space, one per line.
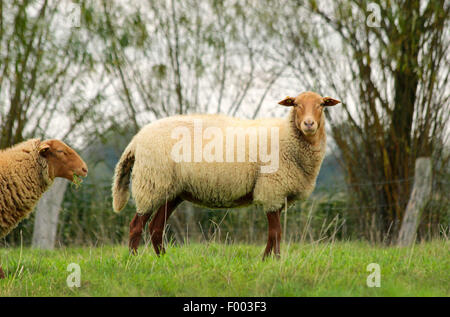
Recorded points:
162,180
27,170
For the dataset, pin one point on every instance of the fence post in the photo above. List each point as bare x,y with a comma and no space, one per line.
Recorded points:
419,197
46,219
285,219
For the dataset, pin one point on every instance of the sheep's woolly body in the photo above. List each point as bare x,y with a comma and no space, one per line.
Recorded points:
157,178
23,179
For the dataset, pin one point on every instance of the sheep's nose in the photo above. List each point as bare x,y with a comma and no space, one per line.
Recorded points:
309,123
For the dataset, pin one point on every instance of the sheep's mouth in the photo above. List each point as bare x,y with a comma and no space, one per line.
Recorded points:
80,173
77,177
309,132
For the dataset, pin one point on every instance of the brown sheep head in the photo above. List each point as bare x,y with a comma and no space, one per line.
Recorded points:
62,160
308,110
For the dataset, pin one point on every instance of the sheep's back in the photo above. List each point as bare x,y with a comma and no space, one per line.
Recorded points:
213,184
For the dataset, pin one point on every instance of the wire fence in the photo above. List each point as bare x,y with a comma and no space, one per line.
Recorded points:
397,181
249,224
87,218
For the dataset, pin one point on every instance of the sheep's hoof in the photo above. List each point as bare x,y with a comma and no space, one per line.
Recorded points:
160,253
2,274
133,251
276,256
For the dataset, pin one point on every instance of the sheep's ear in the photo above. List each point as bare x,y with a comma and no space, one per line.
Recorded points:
327,101
288,101
44,149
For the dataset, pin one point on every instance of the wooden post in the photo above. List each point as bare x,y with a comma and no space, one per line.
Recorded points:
419,197
285,219
47,211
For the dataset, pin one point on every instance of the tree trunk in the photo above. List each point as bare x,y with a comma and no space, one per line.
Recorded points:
46,219
419,197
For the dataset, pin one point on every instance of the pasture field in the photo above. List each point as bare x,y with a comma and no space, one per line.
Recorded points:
213,269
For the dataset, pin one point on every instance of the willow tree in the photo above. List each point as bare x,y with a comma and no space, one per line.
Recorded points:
389,63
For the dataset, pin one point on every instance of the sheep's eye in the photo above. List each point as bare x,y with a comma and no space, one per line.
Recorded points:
60,151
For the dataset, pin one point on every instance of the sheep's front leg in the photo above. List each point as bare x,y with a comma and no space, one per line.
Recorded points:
2,274
273,241
158,224
136,227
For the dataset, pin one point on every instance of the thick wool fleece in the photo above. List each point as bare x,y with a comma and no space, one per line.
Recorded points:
23,179
157,178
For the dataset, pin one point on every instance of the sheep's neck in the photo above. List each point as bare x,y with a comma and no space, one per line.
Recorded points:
307,153
315,140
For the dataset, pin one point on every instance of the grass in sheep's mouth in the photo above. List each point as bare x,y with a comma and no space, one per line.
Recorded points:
76,181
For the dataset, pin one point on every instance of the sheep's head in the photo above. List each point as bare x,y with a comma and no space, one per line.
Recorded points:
308,110
62,160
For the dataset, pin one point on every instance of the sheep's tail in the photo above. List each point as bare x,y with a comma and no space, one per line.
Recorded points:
120,188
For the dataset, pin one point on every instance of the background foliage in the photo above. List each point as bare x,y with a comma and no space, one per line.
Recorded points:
95,83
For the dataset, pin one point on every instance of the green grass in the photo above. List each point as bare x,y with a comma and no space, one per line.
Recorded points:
323,269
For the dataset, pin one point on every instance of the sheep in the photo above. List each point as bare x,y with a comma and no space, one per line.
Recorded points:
162,180
27,170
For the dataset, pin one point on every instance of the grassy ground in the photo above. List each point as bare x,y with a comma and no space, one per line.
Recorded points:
328,269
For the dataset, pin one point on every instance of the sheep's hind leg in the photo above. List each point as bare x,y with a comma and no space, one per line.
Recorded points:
274,238
158,224
2,274
136,227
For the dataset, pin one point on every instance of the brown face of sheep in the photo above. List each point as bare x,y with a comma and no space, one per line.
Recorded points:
308,110
62,160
